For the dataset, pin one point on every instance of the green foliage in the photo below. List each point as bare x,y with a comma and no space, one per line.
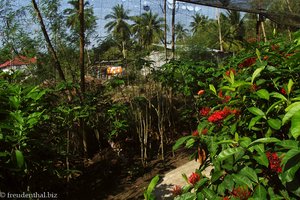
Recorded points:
252,137
148,195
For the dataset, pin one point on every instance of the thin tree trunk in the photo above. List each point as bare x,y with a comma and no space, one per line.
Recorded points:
263,31
165,12
290,9
50,46
173,29
81,45
219,30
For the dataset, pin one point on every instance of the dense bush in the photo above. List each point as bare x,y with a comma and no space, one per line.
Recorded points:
248,128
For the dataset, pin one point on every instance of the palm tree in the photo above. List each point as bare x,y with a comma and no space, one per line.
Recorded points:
181,33
73,21
148,28
119,25
234,20
198,22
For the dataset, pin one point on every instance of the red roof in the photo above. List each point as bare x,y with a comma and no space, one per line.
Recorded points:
18,61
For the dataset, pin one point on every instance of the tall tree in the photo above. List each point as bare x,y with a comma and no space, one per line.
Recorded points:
73,21
198,22
148,28
181,33
119,25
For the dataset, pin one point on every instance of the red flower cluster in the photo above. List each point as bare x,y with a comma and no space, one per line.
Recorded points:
221,114
204,131
241,193
205,111
283,91
177,190
195,133
248,62
274,162
200,92
226,198
194,178
229,71
225,99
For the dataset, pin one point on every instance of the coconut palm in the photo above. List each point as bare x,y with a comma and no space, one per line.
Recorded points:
234,20
148,28
73,18
181,33
198,22
119,26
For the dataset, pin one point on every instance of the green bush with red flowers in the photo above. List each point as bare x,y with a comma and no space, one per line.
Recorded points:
249,128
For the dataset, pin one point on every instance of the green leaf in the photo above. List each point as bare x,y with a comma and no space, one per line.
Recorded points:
278,96
290,85
288,144
262,159
14,101
19,158
200,183
250,173
274,105
290,155
258,54
295,125
209,194
256,111
291,111
275,123
229,152
186,196
190,143
260,192
256,73
264,140
263,94
242,180
212,88
289,175
152,184
180,141
253,121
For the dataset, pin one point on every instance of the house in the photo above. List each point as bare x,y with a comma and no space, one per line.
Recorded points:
18,63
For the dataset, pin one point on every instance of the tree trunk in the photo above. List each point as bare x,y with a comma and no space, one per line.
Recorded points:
165,18
173,29
50,46
219,30
81,45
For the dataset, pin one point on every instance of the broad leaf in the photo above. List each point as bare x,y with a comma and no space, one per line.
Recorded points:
290,85
180,141
19,158
250,173
275,123
152,184
264,140
278,96
256,73
263,94
253,121
295,125
212,88
242,180
229,152
256,111
260,192
291,111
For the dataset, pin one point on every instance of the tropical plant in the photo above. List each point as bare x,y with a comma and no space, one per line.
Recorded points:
198,22
119,26
181,33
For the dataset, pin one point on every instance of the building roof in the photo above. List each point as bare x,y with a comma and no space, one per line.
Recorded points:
18,61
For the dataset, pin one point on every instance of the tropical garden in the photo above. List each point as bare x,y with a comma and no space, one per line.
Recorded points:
225,96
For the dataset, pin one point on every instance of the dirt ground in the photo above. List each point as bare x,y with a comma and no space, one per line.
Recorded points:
116,181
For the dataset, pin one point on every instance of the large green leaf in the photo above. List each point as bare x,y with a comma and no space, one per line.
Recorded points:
209,194
213,89
180,141
229,152
264,140
262,159
291,111
148,193
256,111
260,192
19,158
242,180
263,94
186,196
295,125
289,155
190,143
250,173
278,96
289,175
274,123
290,85
253,121
256,73
288,144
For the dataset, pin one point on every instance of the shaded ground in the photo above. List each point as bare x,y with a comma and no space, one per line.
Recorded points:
117,181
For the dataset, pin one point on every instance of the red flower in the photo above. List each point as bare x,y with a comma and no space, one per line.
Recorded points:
235,112
226,198
204,111
248,62
254,87
220,94
229,71
177,190
200,92
265,57
219,115
283,91
194,178
195,133
274,162
241,193
204,131
226,99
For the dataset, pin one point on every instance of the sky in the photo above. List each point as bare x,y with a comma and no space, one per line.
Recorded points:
184,11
